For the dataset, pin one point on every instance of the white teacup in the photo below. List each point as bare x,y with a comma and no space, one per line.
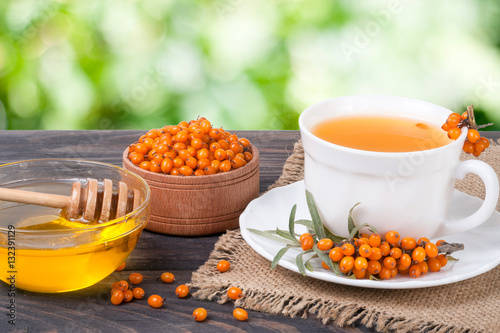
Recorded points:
408,192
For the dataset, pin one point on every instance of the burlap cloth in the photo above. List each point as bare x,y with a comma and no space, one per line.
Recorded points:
472,305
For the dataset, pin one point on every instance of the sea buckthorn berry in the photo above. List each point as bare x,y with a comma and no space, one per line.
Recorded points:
440,242
304,235
206,126
473,135
248,156
336,254
405,260
374,240
385,248
223,266
424,268
137,159
324,265
307,243
392,237
117,297
155,301
476,153
360,263
365,250
385,273
465,115
396,253
121,267
234,293
197,143
224,144
446,127
434,265
238,162
202,153
394,272
203,163
138,293
141,148
122,285
485,142
174,172
198,173
414,271
389,262
214,146
200,314
230,154
443,260
454,133
244,142
348,249
373,267
186,171
178,162
325,244
209,170
422,240
363,235
145,165
346,264
376,254
358,274
240,314
128,295
431,250
454,119
408,243
191,162
214,133
362,241
479,146
220,154
135,278
236,147
232,138
225,166
167,277
418,254
403,270
182,290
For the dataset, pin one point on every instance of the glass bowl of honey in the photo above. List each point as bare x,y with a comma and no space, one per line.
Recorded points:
43,250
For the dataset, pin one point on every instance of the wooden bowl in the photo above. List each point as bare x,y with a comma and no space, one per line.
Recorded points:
199,205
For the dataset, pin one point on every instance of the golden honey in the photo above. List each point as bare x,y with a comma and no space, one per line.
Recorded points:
47,253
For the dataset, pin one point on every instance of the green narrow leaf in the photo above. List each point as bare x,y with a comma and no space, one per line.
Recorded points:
286,235
355,231
271,234
278,256
308,264
291,224
316,219
299,261
350,222
450,258
333,237
371,277
333,266
307,223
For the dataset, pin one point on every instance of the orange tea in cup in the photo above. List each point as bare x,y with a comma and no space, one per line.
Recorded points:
381,133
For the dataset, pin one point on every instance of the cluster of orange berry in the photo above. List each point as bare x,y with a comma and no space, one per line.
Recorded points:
370,255
122,291
190,148
474,144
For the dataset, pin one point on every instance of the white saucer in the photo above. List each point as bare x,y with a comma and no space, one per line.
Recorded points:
271,210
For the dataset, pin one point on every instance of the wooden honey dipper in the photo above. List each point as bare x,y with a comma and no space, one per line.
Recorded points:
85,202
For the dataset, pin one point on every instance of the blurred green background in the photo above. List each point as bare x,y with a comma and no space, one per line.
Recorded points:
243,64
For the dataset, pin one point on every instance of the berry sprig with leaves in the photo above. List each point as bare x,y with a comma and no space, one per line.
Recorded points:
358,255
474,144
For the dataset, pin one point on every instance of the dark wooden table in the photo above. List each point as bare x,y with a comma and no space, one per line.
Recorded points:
89,310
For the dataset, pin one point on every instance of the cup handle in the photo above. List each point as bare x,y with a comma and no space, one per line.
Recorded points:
490,179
